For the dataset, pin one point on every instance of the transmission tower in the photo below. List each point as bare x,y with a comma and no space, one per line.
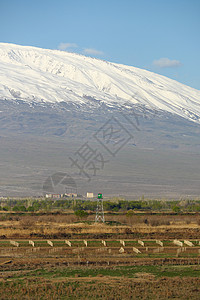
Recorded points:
99,211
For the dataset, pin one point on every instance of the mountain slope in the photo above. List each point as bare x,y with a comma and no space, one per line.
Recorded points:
42,76
53,102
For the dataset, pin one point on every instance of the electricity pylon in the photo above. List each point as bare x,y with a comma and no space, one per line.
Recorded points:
99,211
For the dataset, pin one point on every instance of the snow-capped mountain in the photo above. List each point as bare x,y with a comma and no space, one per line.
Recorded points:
37,76
54,102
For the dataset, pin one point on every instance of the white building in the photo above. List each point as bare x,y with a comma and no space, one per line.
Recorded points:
72,195
57,196
90,195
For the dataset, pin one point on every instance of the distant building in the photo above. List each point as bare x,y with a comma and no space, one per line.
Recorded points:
54,196
72,195
48,196
57,196
90,195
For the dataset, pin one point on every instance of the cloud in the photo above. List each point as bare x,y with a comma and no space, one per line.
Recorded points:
92,51
166,63
65,46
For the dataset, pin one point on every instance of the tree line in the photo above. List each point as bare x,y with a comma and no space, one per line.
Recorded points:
36,205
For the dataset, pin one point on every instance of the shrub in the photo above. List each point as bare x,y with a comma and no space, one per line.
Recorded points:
81,213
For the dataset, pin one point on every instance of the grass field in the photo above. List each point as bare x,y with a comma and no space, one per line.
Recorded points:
144,282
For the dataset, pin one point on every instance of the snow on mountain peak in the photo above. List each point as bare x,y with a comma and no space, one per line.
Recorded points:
41,75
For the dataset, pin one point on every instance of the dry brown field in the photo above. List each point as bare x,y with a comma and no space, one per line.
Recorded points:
36,262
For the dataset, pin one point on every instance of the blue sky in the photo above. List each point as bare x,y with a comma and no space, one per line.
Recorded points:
162,36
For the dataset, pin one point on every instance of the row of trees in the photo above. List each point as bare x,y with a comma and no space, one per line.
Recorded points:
30,205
